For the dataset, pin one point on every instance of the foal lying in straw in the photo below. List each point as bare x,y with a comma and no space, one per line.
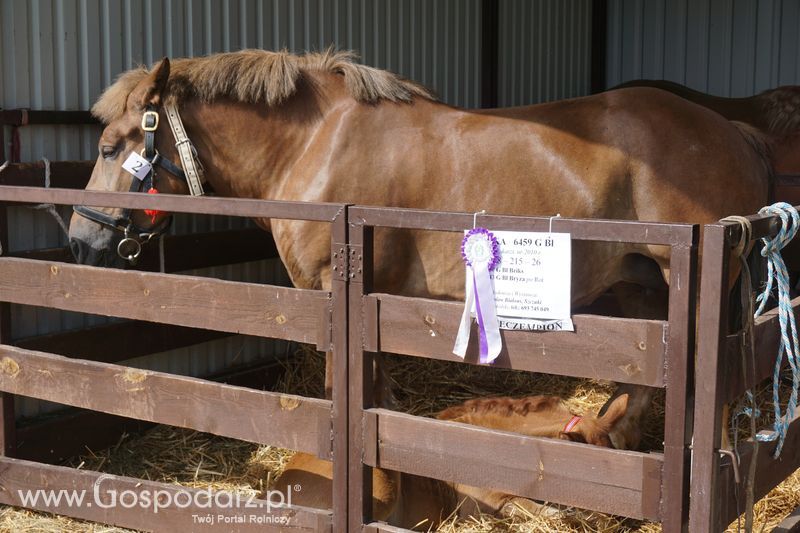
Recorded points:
411,501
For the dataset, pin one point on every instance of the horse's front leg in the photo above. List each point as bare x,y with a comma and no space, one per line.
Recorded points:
635,302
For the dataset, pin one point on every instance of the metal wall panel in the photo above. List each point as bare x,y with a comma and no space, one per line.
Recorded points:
544,49
60,54
717,46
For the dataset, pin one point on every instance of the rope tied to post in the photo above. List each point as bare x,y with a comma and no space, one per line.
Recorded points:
778,275
741,250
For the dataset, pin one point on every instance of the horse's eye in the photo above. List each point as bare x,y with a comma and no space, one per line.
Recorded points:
108,151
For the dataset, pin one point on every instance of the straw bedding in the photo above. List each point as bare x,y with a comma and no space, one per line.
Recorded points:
424,387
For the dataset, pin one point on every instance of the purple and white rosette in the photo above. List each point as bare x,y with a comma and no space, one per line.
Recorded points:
481,254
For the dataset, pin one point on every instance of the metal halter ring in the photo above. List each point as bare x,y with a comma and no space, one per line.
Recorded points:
126,242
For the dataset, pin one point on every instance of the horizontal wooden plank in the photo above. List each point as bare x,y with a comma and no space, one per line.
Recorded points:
580,229
769,472
236,307
257,416
63,174
590,477
96,490
176,203
73,431
128,339
617,349
185,252
767,337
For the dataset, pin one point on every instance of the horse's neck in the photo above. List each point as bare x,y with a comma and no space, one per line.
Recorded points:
249,150
541,423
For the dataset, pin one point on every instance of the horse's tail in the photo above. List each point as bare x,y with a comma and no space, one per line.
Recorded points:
759,142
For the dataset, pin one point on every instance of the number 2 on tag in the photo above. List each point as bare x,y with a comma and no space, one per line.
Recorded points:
137,165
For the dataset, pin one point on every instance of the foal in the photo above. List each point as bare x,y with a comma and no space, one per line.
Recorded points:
411,501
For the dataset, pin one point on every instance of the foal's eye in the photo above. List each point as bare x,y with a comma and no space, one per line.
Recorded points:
108,151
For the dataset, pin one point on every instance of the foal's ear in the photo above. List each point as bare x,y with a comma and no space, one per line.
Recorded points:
615,411
150,90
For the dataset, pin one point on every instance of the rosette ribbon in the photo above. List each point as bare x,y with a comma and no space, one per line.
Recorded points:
481,255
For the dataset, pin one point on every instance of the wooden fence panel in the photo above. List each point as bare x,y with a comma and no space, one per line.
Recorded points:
24,477
264,417
613,481
247,308
427,328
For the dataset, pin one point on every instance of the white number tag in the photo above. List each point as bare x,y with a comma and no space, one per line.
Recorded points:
137,165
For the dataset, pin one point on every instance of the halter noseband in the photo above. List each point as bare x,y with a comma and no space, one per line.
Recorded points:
130,246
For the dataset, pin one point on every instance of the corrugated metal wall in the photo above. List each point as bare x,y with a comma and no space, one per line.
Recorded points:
544,49
716,46
59,54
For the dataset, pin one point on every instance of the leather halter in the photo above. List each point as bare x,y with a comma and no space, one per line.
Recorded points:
135,235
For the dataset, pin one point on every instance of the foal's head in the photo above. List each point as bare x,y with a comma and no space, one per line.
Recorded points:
540,416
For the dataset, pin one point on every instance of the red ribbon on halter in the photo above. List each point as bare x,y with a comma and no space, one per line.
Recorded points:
572,423
152,213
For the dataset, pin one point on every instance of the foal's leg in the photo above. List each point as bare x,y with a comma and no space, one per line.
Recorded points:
635,301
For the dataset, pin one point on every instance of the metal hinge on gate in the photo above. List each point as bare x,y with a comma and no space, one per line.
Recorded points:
339,263
347,263
355,263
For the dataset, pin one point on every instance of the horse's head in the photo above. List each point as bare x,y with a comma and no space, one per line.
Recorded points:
595,430
132,109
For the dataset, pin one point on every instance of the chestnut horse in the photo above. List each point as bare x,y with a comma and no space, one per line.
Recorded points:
410,501
320,127
775,112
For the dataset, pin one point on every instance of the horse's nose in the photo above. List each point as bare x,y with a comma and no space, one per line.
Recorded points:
78,248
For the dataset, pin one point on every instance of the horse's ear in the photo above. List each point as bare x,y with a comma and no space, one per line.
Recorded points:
615,411
151,89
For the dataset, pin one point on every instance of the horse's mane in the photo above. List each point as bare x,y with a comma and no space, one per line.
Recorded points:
259,76
504,406
782,107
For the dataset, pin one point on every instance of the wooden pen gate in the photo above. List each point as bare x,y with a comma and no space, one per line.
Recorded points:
307,424
721,379
643,352
349,429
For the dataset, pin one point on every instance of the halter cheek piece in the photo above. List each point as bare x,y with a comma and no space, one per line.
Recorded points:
130,246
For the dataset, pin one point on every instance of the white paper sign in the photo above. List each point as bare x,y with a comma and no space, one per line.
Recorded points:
532,283
137,165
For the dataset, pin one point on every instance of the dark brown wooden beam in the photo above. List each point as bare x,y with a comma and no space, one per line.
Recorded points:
177,203
613,481
256,416
21,477
236,307
427,328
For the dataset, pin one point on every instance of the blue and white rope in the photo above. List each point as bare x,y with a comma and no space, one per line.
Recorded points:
776,270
